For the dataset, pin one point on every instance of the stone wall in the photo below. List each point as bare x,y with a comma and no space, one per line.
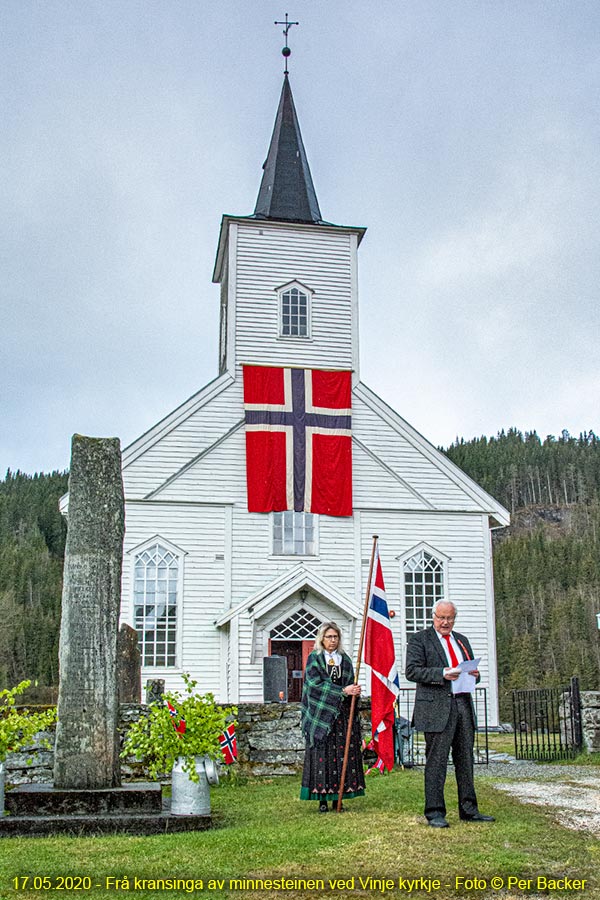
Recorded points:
269,739
590,720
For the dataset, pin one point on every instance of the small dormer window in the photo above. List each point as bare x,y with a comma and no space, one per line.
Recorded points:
294,310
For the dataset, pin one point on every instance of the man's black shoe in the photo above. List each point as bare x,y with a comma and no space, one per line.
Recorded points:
438,822
323,806
478,817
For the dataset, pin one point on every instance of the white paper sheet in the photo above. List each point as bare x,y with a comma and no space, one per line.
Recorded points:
465,683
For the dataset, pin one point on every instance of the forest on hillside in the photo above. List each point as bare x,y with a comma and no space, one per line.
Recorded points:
546,564
32,548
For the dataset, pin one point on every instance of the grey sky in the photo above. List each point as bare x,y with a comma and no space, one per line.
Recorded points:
464,135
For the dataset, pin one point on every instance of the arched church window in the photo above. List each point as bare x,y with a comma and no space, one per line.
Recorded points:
423,586
155,589
294,534
294,311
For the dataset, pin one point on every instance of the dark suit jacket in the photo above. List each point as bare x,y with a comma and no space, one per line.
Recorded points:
425,664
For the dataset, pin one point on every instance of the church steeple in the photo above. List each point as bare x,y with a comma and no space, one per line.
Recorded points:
286,191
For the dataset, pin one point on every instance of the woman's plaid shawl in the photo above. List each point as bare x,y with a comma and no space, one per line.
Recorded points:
321,698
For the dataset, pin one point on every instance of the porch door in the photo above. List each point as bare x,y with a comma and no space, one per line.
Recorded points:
292,650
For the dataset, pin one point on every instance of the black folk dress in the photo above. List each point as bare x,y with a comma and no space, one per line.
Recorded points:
323,760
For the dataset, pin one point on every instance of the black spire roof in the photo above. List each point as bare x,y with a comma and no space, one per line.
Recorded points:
286,190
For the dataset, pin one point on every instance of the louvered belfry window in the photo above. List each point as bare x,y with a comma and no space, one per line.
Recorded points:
156,576
294,313
301,626
423,586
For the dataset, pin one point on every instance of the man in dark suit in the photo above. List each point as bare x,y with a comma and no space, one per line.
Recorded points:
447,718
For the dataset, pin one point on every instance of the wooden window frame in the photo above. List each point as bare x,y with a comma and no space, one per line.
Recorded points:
304,291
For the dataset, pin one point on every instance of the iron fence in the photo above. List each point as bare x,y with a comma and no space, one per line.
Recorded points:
410,744
547,722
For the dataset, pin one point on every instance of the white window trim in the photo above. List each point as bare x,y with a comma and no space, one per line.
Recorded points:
443,558
134,552
309,294
317,530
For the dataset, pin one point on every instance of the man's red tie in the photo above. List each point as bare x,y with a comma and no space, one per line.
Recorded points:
453,658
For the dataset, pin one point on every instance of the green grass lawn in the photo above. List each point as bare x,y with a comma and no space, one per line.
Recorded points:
265,832
501,742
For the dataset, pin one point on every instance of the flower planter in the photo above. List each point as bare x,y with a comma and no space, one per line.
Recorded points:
192,798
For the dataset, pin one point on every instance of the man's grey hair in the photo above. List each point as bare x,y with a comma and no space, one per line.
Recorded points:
437,603
321,632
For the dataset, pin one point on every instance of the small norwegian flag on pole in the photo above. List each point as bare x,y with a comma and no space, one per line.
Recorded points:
228,743
177,721
380,655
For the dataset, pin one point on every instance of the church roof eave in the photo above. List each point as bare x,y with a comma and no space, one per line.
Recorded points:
228,219
277,590
484,501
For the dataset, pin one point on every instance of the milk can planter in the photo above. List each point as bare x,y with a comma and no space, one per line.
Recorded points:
17,728
192,798
180,734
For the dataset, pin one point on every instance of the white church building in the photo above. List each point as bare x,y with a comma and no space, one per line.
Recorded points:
212,588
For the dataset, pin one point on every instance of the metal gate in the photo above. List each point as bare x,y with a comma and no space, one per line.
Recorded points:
410,744
547,722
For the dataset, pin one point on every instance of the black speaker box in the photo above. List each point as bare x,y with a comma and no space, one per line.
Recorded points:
275,679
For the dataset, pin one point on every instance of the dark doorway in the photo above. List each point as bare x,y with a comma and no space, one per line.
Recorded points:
292,650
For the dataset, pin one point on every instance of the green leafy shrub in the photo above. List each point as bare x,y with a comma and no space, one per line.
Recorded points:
18,726
154,738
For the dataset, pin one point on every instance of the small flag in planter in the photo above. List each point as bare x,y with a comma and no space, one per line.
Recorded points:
379,766
177,722
229,744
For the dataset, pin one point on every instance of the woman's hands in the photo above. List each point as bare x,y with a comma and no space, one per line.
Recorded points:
352,690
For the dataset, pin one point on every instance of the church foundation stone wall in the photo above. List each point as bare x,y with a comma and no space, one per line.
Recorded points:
269,739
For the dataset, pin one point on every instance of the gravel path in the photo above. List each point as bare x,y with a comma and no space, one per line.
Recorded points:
573,791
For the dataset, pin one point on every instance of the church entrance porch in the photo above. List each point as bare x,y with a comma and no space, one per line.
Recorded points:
294,638
295,653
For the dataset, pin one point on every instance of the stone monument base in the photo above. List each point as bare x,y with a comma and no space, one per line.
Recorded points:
41,809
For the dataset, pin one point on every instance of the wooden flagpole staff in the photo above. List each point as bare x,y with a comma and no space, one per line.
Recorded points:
356,674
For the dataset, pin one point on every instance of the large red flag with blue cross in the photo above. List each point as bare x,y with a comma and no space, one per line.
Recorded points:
298,440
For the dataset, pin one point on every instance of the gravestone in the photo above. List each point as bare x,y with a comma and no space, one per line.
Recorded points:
129,665
87,747
155,689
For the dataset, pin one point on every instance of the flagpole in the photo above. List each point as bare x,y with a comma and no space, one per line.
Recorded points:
356,673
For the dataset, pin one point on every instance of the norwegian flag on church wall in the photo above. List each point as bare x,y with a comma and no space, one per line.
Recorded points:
298,440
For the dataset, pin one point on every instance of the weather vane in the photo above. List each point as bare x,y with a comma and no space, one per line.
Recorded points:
286,52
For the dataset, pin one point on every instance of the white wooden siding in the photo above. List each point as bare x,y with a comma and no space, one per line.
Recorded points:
194,434
458,536
255,567
200,533
374,486
268,257
399,454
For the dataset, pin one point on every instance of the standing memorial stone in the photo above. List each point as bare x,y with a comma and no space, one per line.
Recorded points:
129,665
87,746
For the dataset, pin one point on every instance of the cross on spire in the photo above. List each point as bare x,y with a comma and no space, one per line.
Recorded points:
286,52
